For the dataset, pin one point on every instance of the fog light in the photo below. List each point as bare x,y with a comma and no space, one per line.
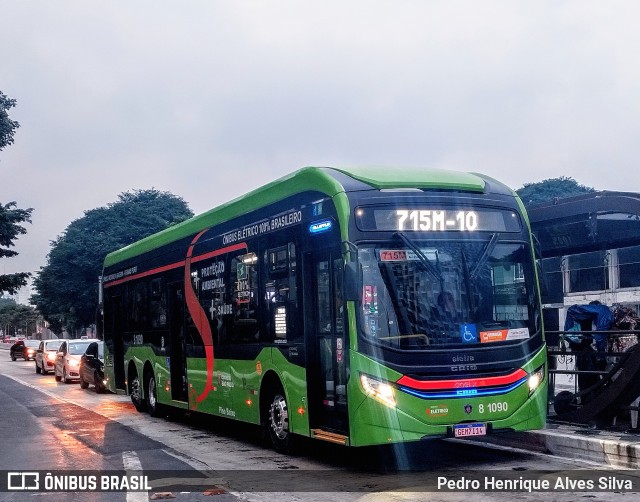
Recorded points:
380,390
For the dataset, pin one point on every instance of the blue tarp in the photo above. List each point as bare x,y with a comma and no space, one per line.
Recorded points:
600,315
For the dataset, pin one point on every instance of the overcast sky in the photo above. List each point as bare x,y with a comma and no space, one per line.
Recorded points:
210,99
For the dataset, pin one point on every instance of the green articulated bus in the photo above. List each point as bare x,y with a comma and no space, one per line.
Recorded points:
351,305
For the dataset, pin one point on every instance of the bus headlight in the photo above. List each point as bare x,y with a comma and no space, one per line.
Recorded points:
380,390
535,379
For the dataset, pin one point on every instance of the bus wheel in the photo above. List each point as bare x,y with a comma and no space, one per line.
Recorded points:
277,422
135,389
153,407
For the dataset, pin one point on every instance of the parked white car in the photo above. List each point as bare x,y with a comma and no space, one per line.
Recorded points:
46,355
67,365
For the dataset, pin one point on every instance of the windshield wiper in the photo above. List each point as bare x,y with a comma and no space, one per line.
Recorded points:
428,266
467,284
484,256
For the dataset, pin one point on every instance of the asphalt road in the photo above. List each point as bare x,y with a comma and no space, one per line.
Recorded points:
52,426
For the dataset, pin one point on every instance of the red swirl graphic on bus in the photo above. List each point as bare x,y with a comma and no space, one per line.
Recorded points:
198,314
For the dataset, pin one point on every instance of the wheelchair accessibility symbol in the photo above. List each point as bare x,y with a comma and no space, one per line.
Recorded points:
469,333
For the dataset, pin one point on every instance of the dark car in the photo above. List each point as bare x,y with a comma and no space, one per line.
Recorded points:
92,367
25,349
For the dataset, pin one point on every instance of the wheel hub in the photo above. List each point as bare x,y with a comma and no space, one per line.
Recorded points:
279,417
135,389
152,393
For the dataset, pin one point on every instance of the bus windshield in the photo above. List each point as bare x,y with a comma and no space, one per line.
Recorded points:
421,295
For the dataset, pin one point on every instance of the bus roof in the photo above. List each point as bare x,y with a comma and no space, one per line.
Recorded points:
319,179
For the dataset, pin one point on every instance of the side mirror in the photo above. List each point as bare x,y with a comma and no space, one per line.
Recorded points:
352,281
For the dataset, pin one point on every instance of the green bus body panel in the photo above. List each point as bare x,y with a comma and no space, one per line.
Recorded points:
381,177
237,384
373,422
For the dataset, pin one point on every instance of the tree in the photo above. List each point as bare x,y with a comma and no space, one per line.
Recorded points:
547,190
67,286
11,219
7,126
18,319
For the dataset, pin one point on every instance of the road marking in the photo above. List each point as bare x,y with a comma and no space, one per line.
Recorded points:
131,462
35,387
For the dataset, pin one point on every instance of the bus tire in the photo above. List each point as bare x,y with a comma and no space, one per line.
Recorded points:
276,421
135,391
153,407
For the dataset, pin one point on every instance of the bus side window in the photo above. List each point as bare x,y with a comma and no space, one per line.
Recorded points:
244,273
158,304
281,292
138,305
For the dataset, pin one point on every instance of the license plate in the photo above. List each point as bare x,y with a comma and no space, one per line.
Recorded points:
466,430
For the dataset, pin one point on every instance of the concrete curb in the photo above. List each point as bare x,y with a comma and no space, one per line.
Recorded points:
614,449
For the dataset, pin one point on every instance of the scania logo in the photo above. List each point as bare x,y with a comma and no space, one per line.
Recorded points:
468,409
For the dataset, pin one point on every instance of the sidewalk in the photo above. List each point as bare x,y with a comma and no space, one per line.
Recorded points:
617,449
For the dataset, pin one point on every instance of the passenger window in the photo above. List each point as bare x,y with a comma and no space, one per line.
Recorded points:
244,271
281,292
158,304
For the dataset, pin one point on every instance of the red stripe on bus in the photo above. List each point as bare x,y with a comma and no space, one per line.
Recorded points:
218,252
179,264
463,383
145,274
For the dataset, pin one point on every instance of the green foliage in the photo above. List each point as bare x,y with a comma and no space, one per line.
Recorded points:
547,190
7,126
16,319
67,286
11,227
7,302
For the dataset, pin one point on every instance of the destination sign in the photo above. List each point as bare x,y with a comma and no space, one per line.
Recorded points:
437,219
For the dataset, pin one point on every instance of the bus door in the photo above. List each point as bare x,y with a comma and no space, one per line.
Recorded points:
328,345
177,360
